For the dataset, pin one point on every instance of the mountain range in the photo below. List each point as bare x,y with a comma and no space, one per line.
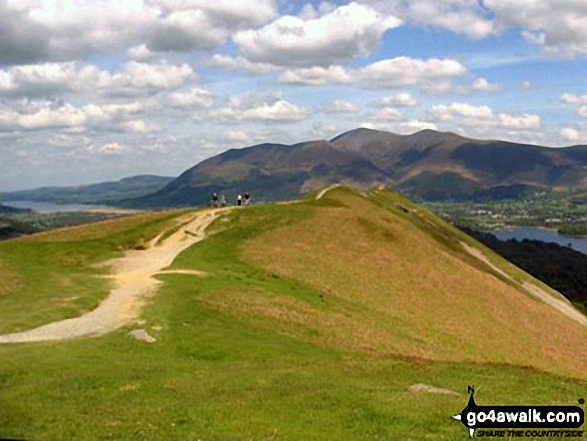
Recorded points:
427,165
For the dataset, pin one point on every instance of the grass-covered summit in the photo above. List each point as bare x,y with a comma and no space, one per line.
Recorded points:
315,321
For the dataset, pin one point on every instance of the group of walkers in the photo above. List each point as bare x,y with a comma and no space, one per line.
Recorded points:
216,201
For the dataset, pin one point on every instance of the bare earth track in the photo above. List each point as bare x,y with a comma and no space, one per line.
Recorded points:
133,281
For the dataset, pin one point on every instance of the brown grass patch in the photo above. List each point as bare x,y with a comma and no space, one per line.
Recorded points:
10,280
98,230
421,297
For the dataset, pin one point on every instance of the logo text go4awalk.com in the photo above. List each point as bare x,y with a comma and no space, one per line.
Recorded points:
514,418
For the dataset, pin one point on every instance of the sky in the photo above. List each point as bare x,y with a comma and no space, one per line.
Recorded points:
96,90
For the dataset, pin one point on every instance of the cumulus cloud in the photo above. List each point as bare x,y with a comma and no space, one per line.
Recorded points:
570,98
460,16
399,100
340,106
278,110
483,117
44,115
432,74
482,85
385,114
580,100
228,62
236,135
316,40
573,135
57,31
49,79
559,26
112,148
400,127
195,97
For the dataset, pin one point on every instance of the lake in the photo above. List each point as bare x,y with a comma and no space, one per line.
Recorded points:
48,207
544,235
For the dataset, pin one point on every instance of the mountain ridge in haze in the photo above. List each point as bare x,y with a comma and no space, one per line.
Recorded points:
103,192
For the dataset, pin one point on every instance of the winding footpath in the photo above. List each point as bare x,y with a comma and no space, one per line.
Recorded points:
133,281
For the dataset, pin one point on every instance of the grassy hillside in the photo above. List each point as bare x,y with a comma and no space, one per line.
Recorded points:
53,275
313,322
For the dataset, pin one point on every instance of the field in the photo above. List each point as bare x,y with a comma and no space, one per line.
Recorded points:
314,321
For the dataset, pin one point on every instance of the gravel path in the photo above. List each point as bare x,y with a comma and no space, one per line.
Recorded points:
133,281
562,304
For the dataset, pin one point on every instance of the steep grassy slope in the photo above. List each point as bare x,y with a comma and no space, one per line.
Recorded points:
314,321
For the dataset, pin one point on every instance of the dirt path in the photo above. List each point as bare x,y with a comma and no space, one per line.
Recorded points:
562,304
133,281
326,190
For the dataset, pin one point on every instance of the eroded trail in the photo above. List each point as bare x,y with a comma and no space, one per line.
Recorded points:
562,304
133,281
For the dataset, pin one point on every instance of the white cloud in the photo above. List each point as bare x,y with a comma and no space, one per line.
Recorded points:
483,117
49,115
386,114
519,122
337,35
526,85
406,71
340,106
559,26
400,127
316,76
433,74
140,52
55,30
460,16
275,110
158,76
112,148
570,98
482,85
195,97
583,111
573,135
228,62
236,135
59,78
140,126
403,99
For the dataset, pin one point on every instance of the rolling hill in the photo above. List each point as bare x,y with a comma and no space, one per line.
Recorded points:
340,316
429,165
101,193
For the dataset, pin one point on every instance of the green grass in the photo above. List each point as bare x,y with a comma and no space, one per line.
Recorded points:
52,276
217,371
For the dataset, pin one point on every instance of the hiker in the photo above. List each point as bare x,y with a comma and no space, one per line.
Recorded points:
239,200
214,200
247,199
222,201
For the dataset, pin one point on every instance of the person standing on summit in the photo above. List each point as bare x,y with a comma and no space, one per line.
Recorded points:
239,200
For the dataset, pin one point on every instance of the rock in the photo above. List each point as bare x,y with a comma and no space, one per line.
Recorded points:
141,334
426,389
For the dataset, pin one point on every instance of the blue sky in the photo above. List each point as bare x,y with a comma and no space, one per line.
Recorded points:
100,90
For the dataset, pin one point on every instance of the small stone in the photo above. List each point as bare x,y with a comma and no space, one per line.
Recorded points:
426,389
141,334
